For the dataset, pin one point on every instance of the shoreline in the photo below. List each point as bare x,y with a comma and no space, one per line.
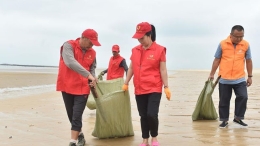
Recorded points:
256,70
22,65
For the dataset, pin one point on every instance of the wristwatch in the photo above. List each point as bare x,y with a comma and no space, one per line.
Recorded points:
165,87
250,76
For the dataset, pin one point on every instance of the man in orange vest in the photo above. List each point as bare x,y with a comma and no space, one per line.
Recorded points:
117,65
230,57
77,68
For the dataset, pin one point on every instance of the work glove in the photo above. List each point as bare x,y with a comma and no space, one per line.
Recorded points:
125,87
168,93
100,76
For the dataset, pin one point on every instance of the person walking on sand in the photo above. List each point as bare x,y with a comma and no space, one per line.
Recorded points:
148,66
77,66
230,57
117,65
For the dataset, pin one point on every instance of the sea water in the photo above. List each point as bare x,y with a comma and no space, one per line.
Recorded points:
38,89
27,90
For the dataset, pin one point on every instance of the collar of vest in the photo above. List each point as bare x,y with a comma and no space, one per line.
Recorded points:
75,43
115,57
139,47
228,40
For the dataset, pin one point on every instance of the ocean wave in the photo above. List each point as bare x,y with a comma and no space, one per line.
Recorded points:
23,91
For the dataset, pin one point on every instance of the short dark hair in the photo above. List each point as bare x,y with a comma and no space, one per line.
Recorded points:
237,27
152,33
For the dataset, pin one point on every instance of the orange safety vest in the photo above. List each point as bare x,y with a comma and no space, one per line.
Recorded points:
70,81
232,63
146,69
114,71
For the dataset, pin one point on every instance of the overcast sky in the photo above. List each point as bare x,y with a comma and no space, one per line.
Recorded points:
32,31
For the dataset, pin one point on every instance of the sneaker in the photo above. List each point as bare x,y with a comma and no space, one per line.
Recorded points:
81,140
72,144
240,122
223,124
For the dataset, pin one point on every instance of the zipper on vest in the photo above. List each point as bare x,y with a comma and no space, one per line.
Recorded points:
233,60
140,66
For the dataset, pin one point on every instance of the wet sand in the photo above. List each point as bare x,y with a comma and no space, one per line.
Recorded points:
41,119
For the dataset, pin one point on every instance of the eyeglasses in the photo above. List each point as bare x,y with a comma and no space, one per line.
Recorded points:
237,37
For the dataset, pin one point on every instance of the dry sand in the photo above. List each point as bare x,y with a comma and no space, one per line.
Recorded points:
41,119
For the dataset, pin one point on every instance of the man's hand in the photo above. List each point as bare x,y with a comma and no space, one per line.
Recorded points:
211,77
125,87
93,81
249,81
168,93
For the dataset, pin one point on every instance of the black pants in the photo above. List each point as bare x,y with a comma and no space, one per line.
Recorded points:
148,107
75,105
225,93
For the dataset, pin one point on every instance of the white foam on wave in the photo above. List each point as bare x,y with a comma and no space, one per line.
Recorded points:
23,91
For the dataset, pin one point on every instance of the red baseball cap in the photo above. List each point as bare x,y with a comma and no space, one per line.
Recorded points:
115,48
142,29
92,35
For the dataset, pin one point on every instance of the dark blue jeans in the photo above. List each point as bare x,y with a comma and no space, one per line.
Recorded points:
75,105
148,108
225,94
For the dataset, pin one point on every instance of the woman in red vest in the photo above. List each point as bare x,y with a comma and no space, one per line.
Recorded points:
77,66
148,66
117,65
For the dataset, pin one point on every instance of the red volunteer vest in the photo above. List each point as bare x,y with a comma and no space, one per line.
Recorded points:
232,63
70,81
114,71
146,69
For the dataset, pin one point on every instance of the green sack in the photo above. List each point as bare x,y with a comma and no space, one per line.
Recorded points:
91,103
205,109
104,87
113,110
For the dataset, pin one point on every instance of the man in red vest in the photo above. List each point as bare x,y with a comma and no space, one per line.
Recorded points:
76,72
117,65
231,56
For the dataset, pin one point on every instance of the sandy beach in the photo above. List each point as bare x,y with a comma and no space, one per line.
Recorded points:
40,118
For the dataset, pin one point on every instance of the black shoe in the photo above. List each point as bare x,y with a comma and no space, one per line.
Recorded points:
72,144
223,124
240,122
81,140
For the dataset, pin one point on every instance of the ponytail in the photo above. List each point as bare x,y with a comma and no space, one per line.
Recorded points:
153,33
